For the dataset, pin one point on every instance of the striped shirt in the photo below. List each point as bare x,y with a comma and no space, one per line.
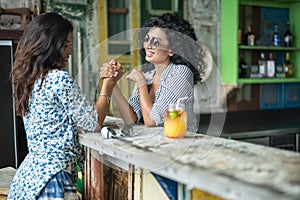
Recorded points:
176,82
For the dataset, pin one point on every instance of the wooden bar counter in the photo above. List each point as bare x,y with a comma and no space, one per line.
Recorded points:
225,168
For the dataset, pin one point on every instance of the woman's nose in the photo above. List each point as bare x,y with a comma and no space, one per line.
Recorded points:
70,51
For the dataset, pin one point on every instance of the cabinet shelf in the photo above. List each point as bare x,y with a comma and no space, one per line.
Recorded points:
268,48
268,80
262,14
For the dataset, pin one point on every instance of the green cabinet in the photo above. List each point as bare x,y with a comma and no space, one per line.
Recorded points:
231,51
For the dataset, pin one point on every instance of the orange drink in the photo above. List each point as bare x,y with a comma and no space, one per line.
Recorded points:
175,125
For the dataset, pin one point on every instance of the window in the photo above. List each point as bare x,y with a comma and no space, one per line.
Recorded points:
118,27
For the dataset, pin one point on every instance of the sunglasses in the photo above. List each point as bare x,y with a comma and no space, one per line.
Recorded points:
154,42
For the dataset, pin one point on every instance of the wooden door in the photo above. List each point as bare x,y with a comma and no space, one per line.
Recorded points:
117,23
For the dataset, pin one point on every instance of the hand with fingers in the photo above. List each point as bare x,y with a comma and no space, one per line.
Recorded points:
113,69
137,76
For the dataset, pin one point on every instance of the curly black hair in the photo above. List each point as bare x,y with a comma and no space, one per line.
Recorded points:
182,39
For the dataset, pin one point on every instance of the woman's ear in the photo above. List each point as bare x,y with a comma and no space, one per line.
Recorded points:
171,53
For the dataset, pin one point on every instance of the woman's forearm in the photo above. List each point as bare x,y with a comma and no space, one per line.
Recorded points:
126,111
103,101
146,105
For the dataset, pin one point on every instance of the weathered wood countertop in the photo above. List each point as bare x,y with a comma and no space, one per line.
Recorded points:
227,168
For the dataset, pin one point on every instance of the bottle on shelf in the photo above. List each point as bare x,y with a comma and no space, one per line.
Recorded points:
287,66
239,36
270,66
254,71
243,69
275,38
249,37
262,64
287,37
279,71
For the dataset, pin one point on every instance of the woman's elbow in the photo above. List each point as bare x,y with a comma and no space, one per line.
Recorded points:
149,123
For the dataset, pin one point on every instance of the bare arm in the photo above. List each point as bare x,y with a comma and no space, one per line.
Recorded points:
102,104
126,111
144,97
146,105
114,69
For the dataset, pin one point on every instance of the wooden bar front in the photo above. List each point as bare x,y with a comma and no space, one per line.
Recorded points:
228,169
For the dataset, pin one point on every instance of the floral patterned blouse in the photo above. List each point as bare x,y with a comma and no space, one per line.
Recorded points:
56,110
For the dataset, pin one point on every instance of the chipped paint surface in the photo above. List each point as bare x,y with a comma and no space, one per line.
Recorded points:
204,15
14,21
227,168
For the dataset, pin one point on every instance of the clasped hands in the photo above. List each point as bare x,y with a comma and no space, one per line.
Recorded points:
114,70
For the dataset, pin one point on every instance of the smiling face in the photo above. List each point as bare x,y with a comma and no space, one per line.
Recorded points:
67,50
156,47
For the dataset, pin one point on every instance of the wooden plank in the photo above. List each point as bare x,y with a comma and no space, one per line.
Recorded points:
199,195
87,174
6,176
131,176
10,34
4,191
104,180
96,171
3,197
93,182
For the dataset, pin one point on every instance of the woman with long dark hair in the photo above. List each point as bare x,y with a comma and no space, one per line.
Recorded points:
53,109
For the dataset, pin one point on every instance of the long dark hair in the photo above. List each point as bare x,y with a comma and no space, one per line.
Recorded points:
39,50
182,41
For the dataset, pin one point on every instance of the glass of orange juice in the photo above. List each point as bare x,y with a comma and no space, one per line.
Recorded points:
175,124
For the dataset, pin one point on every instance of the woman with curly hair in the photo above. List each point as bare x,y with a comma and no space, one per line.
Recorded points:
53,108
170,47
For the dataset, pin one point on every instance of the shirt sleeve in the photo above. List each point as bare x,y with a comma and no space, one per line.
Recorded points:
79,109
177,84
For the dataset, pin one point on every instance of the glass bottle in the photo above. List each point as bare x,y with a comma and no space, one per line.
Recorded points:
175,124
244,70
270,66
287,66
276,41
250,37
239,36
262,63
287,37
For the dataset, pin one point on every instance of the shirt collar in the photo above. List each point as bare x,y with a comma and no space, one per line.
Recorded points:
149,74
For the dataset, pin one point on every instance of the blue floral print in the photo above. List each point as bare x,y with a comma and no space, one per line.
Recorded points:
56,109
